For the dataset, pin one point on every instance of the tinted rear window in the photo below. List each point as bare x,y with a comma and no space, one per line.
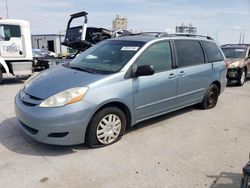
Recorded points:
212,51
189,53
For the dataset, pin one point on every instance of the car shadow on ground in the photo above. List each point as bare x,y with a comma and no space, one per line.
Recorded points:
12,81
13,138
226,180
233,83
158,119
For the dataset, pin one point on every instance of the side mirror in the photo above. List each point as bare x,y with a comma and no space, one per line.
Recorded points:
144,70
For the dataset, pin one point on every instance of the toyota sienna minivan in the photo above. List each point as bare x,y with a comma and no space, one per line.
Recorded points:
117,83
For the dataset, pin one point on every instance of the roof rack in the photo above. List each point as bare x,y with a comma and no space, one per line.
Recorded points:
235,45
165,34
183,35
147,33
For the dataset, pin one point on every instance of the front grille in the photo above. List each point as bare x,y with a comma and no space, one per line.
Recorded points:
29,129
29,100
28,104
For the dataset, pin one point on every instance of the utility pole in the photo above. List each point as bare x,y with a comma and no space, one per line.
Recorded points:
240,37
7,9
243,37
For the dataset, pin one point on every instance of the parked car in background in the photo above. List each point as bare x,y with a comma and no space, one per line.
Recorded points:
38,53
41,57
238,57
118,83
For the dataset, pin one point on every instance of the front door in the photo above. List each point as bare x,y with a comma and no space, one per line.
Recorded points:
155,94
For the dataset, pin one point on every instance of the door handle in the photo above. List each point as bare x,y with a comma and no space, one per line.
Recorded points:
182,73
171,75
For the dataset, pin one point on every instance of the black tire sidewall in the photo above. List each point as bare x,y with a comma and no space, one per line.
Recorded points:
239,78
91,137
1,75
205,103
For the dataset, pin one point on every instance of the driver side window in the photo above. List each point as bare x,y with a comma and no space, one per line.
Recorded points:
159,55
8,31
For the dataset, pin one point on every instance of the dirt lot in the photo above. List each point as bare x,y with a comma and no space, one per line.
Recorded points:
188,148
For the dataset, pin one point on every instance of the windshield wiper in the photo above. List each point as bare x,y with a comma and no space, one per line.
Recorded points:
85,69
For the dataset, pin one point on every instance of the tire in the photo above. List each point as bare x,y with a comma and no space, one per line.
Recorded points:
106,127
210,98
242,77
244,182
1,75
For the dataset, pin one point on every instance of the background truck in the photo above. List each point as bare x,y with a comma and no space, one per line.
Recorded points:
15,48
79,37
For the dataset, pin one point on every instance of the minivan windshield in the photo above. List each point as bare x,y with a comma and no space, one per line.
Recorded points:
106,57
233,53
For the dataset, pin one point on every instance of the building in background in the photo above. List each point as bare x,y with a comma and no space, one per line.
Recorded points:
50,42
186,29
120,23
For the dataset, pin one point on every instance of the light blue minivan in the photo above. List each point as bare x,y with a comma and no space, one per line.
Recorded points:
118,83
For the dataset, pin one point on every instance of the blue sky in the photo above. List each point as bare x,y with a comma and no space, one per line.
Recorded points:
222,19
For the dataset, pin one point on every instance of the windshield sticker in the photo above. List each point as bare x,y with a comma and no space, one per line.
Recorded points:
239,50
91,57
129,48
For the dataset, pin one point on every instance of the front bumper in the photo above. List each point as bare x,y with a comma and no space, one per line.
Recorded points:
233,73
60,126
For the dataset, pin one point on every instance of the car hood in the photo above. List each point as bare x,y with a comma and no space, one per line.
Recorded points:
55,80
232,60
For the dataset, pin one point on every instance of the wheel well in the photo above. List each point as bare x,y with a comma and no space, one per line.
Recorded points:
245,68
122,107
217,83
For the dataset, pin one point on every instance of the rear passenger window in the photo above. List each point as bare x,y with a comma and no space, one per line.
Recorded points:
158,55
212,51
189,53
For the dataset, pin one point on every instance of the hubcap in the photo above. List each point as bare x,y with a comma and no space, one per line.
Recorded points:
243,76
211,97
108,129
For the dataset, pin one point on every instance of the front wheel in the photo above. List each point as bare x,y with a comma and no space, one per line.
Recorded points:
242,77
106,127
210,98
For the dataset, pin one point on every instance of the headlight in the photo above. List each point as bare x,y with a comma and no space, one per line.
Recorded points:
68,96
234,65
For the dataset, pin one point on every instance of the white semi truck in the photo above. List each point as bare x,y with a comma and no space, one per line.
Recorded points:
15,48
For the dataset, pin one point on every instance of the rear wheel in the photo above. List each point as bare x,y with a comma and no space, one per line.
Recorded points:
210,98
106,127
242,77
